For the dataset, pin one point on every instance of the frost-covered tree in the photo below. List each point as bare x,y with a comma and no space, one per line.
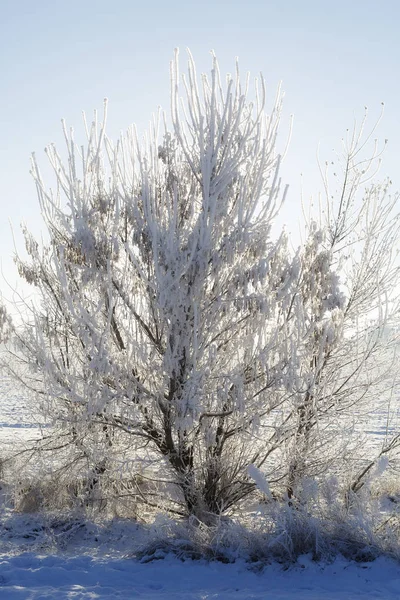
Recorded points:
161,289
350,306
171,321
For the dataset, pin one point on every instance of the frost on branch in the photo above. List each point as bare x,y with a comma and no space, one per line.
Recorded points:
6,325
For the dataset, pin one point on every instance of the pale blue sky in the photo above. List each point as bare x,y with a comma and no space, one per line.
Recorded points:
60,57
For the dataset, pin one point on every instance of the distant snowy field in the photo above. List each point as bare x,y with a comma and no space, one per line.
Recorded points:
15,415
95,562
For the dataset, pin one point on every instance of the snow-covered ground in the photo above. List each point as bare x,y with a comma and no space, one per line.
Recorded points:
40,559
32,576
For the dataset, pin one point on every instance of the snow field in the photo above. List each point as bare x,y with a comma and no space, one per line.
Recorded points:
37,576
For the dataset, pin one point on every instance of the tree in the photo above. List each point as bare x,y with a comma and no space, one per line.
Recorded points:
169,317
350,323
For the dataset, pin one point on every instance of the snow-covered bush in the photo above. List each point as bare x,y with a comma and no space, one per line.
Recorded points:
174,334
